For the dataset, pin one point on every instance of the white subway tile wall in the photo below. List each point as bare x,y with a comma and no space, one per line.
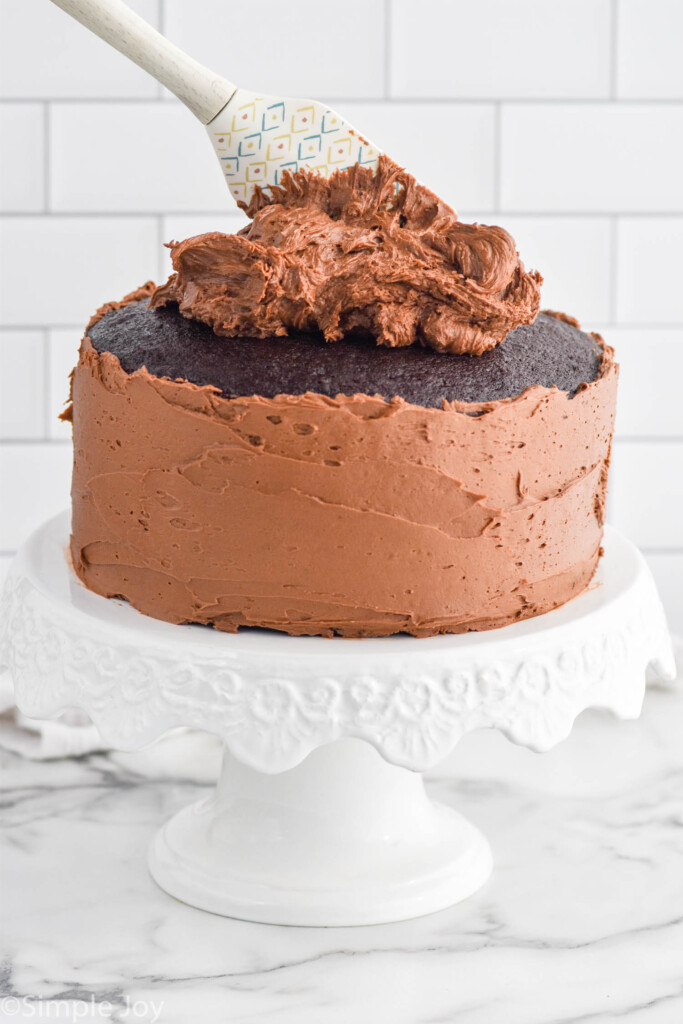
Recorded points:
22,181
449,146
45,54
650,376
492,49
22,385
303,48
62,355
618,157
57,270
646,491
165,160
561,120
35,485
649,255
572,253
648,53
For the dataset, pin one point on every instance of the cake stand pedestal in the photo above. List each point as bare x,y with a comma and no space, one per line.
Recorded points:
309,824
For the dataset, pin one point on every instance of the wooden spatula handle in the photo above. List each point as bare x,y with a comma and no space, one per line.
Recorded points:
204,92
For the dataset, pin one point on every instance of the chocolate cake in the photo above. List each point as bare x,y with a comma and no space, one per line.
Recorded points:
350,419
551,352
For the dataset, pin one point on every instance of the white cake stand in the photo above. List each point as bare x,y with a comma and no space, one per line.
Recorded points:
309,825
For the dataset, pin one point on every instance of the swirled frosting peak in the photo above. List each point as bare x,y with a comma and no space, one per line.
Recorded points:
370,251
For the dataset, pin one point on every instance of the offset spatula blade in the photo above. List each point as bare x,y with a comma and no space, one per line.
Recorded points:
257,138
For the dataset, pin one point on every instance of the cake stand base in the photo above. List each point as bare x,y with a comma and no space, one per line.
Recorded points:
320,817
342,839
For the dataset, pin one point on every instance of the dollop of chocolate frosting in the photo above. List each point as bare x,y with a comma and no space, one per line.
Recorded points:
374,252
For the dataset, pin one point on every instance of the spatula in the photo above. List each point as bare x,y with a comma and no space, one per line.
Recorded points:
256,137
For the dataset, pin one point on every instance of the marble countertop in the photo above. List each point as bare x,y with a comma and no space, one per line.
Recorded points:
581,922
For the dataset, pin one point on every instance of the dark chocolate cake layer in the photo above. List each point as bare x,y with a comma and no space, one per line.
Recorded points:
549,352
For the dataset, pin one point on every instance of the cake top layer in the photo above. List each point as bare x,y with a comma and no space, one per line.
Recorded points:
359,250
551,352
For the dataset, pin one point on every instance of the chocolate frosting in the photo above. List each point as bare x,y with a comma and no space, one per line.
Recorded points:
349,515
366,251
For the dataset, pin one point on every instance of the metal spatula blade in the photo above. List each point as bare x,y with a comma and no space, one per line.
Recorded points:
256,137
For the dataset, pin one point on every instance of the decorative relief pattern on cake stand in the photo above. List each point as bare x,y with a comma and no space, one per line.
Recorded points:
279,702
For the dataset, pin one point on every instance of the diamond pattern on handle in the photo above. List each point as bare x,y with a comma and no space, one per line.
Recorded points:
279,148
273,117
257,138
244,117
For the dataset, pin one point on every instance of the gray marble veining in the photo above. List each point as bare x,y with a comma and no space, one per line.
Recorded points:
582,921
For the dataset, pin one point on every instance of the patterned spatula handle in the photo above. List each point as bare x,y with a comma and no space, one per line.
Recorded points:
203,91
256,137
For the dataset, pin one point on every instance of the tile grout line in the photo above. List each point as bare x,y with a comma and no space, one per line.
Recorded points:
47,374
387,50
28,442
648,439
46,158
497,157
161,21
614,268
41,327
584,214
614,48
112,214
562,101
149,214
160,245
